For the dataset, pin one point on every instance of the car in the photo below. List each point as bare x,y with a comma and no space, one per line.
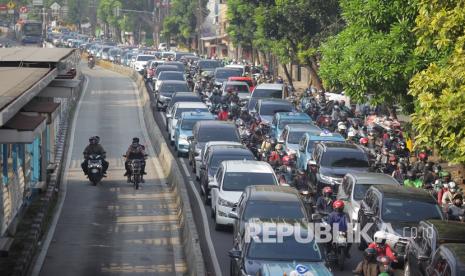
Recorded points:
151,68
354,186
281,119
176,112
397,209
293,133
307,142
222,74
266,108
266,91
229,183
448,259
158,70
213,158
207,65
180,97
241,88
430,234
331,161
180,67
166,91
247,80
141,61
207,131
184,129
257,201
279,256
239,67
167,75
214,144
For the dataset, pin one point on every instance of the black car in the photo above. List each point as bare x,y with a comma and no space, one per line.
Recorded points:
265,109
213,159
179,65
398,208
257,201
448,260
206,131
207,65
166,91
429,236
332,160
250,255
222,74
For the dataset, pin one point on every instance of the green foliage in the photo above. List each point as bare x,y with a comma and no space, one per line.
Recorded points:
440,88
242,26
374,54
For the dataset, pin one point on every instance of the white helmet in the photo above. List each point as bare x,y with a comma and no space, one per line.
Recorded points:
380,237
341,126
452,186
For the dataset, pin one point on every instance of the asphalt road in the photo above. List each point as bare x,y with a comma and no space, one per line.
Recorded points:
222,240
111,228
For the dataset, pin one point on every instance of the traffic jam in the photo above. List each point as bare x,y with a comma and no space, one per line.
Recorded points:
300,181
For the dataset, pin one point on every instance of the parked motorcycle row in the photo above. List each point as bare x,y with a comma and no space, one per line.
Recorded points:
261,153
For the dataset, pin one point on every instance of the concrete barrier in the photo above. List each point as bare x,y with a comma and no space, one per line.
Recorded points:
190,237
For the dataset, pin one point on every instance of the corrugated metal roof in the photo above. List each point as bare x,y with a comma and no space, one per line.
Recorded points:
15,81
31,54
23,122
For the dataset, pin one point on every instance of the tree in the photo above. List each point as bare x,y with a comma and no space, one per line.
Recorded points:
440,88
242,26
373,57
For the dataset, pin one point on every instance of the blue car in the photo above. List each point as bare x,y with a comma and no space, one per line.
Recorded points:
292,133
304,154
184,128
281,119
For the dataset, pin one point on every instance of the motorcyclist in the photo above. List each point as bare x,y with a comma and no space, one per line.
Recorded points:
223,115
300,180
369,265
448,196
402,150
324,204
419,166
400,173
135,151
441,185
246,117
215,98
412,180
456,210
275,158
267,145
381,247
336,114
342,129
391,166
94,148
338,217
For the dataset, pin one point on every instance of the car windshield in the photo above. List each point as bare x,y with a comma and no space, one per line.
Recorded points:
163,69
283,123
351,159
171,76
261,209
145,58
267,93
179,111
240,88
188,124
208,64
289,249
169,88
295,136
238,181
212,134
216,160
224,74
409,210
271,109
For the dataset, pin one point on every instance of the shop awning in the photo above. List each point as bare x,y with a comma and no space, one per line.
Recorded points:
22,128
45,108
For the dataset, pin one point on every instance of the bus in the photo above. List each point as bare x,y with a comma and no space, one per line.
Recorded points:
29,32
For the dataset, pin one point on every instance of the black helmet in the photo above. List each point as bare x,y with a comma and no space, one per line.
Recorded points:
437,168
273,141
135,140
93,140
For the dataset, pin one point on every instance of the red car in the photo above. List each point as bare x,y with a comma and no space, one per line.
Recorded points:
247,80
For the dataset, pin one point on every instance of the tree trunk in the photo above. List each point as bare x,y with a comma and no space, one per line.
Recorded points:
288,75
258,56
315,79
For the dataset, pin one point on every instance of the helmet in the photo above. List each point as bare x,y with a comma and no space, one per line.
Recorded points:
452,186
341,126
286,160
437,168
392,159
411,175
93,140
338,205
327,191
279,147
380,237
363,141
135,140
402,144
97,138
422,155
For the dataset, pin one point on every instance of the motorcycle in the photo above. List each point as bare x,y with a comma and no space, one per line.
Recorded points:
95,168
91,63
135,172
335,257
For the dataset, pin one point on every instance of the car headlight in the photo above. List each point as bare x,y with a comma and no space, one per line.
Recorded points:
225,203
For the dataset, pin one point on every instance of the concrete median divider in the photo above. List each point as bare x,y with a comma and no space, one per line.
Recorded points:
190,238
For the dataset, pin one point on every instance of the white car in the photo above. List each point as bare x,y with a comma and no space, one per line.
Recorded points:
354,186
208,145
141,61
230,181
176,111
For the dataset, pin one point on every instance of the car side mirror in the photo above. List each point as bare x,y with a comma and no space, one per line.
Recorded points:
316,216
168,116
235,254
233,215
212,185
368,213
423,258
301,149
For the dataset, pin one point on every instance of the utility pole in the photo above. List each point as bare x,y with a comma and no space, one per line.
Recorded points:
199,27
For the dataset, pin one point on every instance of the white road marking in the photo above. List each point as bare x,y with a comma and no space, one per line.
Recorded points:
61,196
211,248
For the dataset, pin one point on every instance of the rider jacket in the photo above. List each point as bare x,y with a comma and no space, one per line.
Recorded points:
324,204
382,251
338,218
135,152
96,149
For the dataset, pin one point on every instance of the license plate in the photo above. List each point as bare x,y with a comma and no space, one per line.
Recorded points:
94,171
